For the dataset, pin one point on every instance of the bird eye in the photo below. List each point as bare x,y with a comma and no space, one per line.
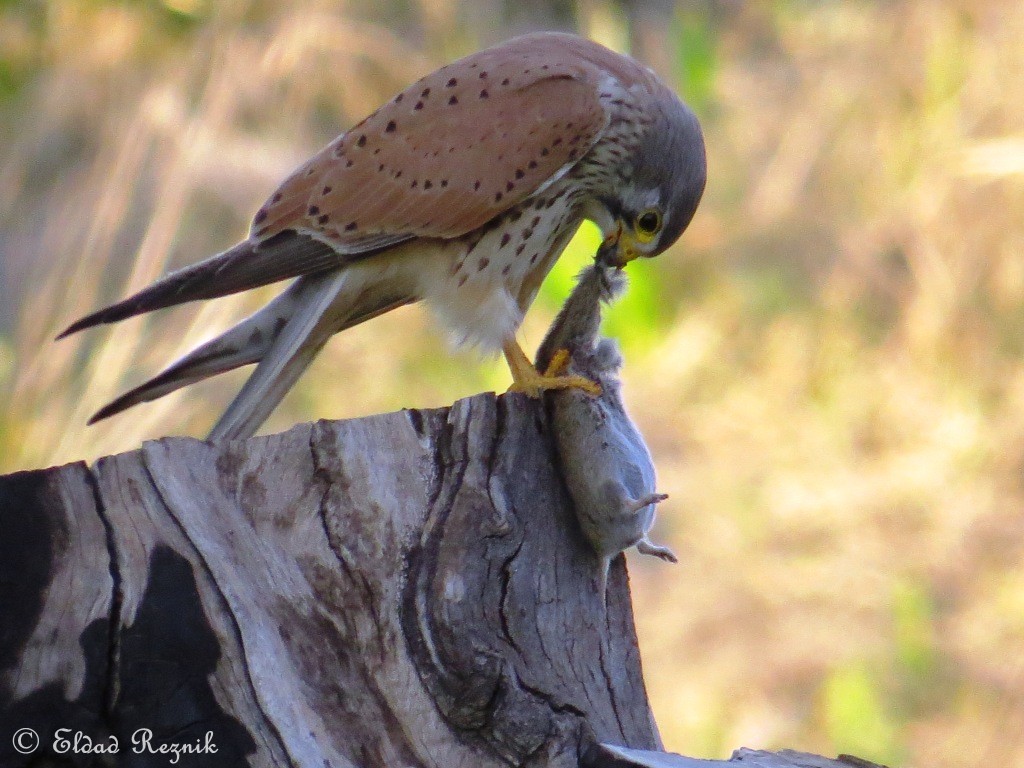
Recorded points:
648,224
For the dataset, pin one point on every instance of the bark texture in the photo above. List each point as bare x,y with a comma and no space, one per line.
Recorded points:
610,756
400,590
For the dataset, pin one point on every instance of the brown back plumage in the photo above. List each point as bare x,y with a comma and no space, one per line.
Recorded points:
451,151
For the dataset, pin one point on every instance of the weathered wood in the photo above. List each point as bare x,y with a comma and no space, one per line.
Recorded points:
611,756
400,590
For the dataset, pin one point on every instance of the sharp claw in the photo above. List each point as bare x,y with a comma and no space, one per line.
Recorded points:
590,387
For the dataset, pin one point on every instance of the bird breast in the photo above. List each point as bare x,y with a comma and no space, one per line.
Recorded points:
490,277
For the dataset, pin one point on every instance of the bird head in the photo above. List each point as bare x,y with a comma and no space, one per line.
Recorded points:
657,198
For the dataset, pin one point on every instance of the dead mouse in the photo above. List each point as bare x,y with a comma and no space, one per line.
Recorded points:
607,466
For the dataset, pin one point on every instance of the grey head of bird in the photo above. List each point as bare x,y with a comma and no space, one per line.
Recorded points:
656,198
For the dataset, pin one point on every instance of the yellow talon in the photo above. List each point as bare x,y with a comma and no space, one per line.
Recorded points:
559,363
526,378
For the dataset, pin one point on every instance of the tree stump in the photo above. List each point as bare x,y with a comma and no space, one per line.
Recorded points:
405,589
409,589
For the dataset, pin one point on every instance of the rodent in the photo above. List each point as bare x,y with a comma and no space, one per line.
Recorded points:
606,464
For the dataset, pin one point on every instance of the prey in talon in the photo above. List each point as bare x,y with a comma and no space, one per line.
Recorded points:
606,464
530,381
461,192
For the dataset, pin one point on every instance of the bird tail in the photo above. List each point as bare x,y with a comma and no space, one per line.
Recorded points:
289,355
283,338
246,265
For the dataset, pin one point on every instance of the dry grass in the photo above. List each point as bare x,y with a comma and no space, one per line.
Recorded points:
831,377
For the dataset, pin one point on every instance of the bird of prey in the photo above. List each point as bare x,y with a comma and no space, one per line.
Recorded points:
460,192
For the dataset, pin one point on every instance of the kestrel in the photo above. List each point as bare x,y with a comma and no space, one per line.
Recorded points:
460,192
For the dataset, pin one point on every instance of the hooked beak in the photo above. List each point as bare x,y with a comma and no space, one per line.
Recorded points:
617,250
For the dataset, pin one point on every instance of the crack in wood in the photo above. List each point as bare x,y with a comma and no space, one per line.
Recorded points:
406,589
111,683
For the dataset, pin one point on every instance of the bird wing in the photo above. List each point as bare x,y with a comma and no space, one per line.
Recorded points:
449,153
441,159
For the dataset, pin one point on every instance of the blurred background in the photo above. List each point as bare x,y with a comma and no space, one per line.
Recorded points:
828,366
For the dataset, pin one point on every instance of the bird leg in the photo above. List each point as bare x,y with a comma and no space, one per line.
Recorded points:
526,378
